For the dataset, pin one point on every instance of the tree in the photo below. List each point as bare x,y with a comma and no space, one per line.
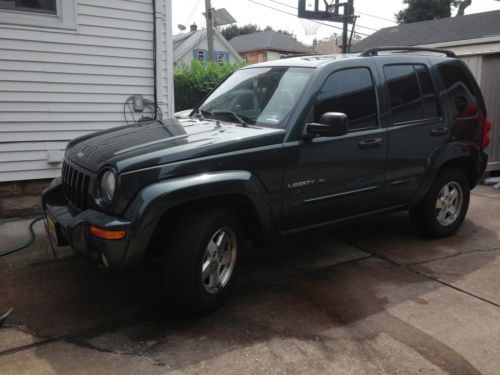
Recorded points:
234,30
424,10
284,32
194,81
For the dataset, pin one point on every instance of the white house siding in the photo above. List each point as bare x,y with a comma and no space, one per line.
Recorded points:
218,46
184,49
490,88
58,84
482,56
475,64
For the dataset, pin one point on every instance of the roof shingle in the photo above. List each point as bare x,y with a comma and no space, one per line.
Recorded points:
472,26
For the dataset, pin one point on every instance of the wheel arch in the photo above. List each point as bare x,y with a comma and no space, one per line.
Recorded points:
463,156
238,202
160,203
465,164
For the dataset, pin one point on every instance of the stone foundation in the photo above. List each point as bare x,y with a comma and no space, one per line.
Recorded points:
21,198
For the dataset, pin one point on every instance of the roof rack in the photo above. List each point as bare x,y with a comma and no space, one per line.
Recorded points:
376,50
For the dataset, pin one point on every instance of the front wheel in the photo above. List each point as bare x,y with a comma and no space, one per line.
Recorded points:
443,209
201,260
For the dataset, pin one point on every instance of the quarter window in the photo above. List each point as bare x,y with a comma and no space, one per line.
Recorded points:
352,92
412,93
461,90
38,6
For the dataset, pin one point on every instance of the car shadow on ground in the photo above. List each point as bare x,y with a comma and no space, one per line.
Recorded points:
299,288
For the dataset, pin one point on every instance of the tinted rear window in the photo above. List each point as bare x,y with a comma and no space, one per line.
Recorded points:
412,93
461,89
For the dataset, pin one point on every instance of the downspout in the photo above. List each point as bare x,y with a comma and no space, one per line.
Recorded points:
155,52
162,14
169,51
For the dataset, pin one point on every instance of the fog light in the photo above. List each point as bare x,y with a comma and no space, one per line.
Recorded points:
106,234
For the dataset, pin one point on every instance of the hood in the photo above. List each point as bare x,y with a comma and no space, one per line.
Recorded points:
148,144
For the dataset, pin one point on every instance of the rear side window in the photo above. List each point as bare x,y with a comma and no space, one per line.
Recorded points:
412,93
460,89
352,92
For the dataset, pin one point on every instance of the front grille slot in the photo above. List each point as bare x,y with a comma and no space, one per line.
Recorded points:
75,186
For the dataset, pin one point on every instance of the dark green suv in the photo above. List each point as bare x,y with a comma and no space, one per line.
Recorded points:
278,147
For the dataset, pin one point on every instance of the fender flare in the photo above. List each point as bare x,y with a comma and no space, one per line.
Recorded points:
441,155
152,202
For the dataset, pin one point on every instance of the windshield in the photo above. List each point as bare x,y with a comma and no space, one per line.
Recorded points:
258,96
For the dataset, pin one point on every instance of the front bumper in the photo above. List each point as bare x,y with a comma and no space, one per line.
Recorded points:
72,229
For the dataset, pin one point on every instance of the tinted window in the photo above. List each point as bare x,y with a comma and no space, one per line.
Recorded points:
43,6
351,92
412,93
463,99
460,89
429,96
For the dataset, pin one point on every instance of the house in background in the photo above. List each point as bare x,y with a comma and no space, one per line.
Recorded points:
194,46
267,45
66,69
331,45
474,38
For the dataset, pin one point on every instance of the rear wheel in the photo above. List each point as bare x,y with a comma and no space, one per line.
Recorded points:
201,260
443,209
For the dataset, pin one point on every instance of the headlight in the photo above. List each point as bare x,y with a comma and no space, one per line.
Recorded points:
107,186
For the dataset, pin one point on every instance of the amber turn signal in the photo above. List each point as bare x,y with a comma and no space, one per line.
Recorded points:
106,234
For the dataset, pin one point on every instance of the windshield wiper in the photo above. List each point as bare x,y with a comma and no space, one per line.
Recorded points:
231,113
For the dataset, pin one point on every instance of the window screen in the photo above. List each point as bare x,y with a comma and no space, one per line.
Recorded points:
352,92
412,94
40,6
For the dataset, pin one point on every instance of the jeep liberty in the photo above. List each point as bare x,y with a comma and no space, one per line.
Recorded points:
276,148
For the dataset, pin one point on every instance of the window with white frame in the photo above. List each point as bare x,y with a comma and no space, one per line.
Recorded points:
37,6
39,13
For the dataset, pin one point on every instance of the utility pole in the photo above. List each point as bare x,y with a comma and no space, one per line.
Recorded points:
348,14
210,29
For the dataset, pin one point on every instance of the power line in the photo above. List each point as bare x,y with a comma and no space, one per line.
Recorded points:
380,18
294,8
292,14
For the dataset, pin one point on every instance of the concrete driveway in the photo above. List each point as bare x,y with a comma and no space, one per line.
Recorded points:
368,298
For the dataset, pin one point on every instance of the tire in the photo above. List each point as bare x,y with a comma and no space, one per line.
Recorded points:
192,248
439,214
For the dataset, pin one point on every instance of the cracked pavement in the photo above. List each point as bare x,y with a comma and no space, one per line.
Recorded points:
371,297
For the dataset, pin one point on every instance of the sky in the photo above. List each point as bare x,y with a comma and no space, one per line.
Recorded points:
373,15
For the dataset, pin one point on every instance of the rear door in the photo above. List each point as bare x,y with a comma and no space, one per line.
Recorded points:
329,178
416,125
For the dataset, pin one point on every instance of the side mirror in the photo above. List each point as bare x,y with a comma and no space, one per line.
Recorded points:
331,124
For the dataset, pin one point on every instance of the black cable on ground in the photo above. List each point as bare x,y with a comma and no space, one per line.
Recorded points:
27,243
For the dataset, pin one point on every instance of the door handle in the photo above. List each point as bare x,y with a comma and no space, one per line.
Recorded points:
439,131
370,143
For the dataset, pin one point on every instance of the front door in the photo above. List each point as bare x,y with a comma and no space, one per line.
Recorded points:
329,178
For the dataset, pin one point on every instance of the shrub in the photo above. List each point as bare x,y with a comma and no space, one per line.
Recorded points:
193,82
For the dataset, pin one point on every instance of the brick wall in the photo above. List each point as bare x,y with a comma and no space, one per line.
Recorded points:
21,198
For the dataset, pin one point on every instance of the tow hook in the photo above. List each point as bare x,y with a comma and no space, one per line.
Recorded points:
4,317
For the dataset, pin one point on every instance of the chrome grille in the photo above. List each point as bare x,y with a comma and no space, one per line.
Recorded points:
75,186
